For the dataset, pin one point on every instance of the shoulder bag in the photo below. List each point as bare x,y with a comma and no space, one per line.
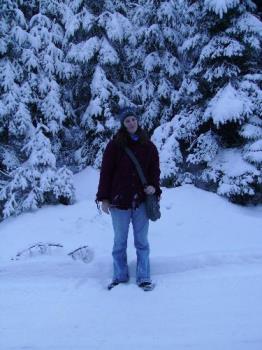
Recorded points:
152,202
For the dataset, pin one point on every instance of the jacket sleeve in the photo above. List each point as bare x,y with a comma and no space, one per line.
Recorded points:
107,172
154,171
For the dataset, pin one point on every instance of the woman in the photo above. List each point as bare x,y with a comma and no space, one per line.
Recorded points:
122,195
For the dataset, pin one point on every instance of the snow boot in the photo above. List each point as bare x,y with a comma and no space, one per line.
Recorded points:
146,286
114,284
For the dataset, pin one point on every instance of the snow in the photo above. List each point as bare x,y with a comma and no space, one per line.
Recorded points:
251,132
85,51
3,47
256,146
20,35
87,20
7,75
116,25
248,22
231,163
222,45
152,61
29,59
253,152
169,152
72,22
227,105
220,7
205,149
107,54
206,257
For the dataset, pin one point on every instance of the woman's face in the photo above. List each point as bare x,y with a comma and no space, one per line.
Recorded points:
131,124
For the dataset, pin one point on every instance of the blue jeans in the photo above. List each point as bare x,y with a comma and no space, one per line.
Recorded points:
121,220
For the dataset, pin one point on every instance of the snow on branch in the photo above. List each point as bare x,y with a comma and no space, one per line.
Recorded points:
116,25
84,51
222,46
83,253
253,153
221,7
36,249
227,105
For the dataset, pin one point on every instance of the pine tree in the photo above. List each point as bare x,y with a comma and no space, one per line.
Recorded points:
15,93
30,69
157,71
47,69
36,181
94,35
218,103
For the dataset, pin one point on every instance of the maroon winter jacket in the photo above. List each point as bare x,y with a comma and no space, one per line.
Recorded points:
119,181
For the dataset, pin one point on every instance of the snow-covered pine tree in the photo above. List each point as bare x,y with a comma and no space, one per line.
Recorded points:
155,65
218,111
48,69
57,105
251,130
15,93
30,95
37,180
94,36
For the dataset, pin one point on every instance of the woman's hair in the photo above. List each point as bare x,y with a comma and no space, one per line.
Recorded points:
122,136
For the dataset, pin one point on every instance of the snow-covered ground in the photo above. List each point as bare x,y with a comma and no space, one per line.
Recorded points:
206,259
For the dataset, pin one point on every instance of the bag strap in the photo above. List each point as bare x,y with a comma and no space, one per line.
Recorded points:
137,165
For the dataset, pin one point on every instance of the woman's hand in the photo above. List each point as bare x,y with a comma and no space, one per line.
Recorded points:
150,190
105,206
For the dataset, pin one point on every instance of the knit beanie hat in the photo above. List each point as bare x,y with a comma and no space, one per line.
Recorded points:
127,112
